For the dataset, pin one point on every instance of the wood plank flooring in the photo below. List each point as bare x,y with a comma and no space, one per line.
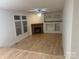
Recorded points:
12,53
44,43
40,46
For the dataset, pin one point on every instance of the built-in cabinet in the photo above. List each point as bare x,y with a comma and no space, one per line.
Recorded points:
53,23
53,27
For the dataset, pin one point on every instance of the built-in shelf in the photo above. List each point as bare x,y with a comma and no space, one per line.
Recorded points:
53,21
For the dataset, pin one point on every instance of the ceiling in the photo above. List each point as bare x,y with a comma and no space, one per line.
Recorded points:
25,5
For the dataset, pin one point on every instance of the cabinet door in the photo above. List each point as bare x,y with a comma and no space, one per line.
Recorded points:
55,27
58,27
50,28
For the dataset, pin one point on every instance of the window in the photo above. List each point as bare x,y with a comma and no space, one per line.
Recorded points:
23,17
20,24
18,28
16,17
25,26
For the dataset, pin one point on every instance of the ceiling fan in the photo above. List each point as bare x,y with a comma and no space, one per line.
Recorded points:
38,10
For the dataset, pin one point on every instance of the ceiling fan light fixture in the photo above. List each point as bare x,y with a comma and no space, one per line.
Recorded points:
38,10
39,14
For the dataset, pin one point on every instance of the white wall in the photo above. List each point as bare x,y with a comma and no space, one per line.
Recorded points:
7,28
71,29
75,32
34,18
67,27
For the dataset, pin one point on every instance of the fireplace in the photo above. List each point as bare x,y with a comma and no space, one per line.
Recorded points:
37,28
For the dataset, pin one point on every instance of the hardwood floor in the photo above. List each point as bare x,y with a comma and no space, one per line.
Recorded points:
41,46
44,43
12,53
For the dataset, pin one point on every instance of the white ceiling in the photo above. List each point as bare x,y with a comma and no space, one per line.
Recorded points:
52,5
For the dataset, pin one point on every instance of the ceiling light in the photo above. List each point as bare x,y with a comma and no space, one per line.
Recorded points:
39,14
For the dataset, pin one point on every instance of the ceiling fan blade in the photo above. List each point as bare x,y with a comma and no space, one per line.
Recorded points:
34,10
45,9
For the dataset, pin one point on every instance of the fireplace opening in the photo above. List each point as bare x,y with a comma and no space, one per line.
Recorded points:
37,28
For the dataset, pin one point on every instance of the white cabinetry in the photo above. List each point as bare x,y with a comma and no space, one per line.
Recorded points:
53,27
